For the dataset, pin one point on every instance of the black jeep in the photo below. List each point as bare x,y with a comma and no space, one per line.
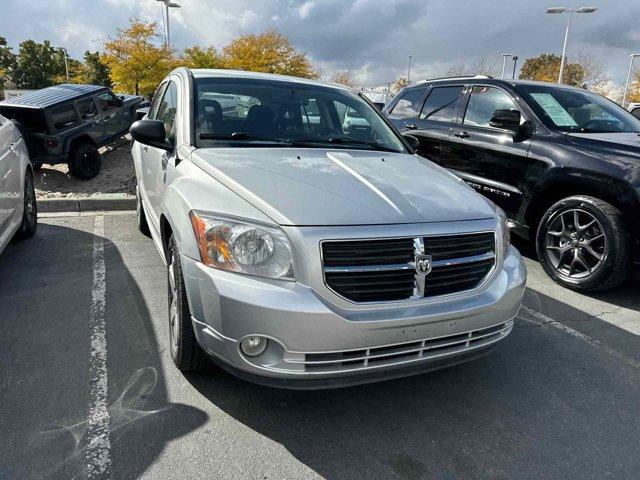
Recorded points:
68,123
562,162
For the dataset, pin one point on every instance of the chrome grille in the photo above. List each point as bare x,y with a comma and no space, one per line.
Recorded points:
385,270
404,352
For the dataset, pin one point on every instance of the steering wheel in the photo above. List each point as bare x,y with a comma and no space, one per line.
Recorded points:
324,131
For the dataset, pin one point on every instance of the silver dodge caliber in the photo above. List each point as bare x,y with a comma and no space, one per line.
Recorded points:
308,250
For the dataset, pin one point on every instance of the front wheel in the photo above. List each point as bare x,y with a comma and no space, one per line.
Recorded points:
85,162
186,353
141,216
29,223
582,243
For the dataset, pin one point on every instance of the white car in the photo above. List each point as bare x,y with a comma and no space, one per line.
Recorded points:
18,210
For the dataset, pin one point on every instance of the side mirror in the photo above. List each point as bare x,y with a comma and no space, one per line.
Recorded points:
150,132
507,119
413,142
141,112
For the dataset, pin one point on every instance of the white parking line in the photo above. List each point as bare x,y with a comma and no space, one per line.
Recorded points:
579,335
98,452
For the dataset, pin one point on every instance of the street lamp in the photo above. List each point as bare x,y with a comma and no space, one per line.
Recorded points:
66,65
626,85
409,71
566,33
504,62
515,62
168,4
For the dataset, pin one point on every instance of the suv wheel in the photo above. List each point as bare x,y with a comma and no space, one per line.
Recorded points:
185,350
29,223
582,244
85,162
143,226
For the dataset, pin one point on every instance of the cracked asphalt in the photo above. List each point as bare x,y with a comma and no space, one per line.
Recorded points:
559,399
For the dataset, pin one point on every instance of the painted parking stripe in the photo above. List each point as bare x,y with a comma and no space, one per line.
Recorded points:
579,335
98,451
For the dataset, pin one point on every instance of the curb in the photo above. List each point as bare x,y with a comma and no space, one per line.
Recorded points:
94,203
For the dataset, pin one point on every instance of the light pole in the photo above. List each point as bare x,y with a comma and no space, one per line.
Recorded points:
504,63
168,4
409,71
66,65
515,62
626,85
570,11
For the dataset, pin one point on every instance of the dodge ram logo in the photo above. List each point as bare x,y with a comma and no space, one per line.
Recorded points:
423,264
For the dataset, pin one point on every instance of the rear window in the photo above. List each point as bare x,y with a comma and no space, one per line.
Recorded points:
63,117
30,119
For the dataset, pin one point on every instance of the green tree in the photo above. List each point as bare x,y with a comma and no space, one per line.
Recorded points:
7,63
546,68
202,57
137,59
269,52
93,71
37,65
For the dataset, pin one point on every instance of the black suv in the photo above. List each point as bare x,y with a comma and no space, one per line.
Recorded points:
68,123
563,163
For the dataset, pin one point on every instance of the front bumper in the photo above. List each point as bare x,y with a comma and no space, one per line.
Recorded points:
314,343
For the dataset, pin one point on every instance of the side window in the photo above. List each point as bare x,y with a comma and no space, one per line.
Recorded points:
63,117
483,102
636,112
87,108
108,101
167,109
155,103
409,105
441,104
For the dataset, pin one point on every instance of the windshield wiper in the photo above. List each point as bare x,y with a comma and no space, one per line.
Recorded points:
342,140
240,136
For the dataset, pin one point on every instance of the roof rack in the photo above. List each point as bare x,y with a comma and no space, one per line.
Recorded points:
453,78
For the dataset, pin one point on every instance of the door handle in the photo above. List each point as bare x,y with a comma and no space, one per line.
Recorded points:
410,126
461,134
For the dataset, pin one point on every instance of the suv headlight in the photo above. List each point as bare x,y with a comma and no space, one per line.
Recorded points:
243,247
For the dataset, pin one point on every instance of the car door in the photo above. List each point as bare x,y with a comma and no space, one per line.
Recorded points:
435,122
156,159
9,172
113,116
485,155
93,122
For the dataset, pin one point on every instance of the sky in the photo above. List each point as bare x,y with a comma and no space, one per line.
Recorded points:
372,38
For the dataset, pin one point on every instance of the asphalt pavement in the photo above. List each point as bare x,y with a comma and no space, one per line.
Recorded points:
88,390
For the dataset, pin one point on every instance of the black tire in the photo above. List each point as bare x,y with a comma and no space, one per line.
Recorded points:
85,161
186,353
29,223
607,238
141,216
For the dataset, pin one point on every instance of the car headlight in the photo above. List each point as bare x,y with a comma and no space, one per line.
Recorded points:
243,247
505,227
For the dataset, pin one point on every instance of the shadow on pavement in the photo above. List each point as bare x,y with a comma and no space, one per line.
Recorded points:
543,405
45,293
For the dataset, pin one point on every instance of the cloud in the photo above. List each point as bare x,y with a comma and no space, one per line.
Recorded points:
373,38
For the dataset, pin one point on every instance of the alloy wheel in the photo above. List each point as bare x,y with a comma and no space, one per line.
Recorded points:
173,311
30,201
576,244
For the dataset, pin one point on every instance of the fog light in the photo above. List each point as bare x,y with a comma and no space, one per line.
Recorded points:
253,346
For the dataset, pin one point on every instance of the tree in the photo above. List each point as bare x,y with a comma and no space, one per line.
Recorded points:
546,68
7,62
399,84
595,76
269,52
93,71
37,65
202,57
343,78
136,59
483,66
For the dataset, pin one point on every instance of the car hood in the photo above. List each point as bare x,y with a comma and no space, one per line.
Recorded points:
628,139
343,187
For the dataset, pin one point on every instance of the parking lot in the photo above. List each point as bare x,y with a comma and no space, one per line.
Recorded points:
89,389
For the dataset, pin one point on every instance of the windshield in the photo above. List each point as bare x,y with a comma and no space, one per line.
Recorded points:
259,113
570,110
